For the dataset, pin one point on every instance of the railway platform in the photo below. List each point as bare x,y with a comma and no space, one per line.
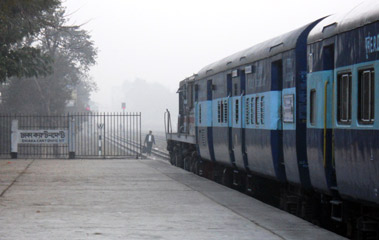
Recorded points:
132,199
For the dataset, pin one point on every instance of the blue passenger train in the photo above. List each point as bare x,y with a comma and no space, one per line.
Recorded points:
294,118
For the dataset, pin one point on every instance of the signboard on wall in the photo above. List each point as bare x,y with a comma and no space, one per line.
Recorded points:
56,136
37,136
288,101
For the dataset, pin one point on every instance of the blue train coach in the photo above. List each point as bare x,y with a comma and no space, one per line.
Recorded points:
342,87
293,121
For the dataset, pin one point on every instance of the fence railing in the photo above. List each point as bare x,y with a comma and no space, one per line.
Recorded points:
82,135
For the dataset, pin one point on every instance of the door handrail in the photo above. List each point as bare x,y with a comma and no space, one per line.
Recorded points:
325,117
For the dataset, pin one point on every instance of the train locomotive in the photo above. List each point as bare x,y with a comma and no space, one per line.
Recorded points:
294,117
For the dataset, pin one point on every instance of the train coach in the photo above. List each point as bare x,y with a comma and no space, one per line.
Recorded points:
293,118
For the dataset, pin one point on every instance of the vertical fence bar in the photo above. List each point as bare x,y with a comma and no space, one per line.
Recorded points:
117,137
120,133
135,134
113,133
113,119
123,131
89,137
105,125
99,141
99,130
90,126
96,131
130,132
80,127
140,134
127,132
119,142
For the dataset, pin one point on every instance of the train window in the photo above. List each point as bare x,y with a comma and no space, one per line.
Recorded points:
190,96
366,96
236,89
247,112
199,113
222,111
289,70
181,102
252,111
237,111
262,110
225,111
328,57
257,110
184,92
219,111
250,80
312,112
344,98
310,62
288,108
260,76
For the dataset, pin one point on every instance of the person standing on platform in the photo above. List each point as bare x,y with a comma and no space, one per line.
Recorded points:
149,141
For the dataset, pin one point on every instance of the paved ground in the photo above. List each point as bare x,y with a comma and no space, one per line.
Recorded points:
132,199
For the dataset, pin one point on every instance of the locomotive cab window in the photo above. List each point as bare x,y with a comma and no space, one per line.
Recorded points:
313,104
190,95
257,110
199,113
262,110
218,111
225,111
252,111
236,89
344,98
366,96
237,111
247,112
222,111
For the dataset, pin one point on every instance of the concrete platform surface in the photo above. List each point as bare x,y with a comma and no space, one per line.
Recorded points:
132,199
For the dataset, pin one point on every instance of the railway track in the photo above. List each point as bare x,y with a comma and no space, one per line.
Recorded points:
124,145
135,147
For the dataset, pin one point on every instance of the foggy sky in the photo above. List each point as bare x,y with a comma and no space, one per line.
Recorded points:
166,41
151,99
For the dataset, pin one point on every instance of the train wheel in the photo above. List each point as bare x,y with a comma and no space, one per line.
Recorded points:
193,167
200,168
187,163
227,178
178,160
249,188
172,158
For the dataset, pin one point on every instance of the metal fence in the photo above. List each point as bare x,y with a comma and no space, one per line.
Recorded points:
79,135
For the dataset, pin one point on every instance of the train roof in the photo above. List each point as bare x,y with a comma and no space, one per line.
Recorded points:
260,51
186,81
365,13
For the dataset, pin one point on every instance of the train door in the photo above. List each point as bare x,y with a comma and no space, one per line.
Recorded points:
244,112
229,112
209,119
328,109
238,80
320,142
277,134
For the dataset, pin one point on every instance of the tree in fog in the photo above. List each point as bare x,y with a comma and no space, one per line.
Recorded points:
72,53
21,19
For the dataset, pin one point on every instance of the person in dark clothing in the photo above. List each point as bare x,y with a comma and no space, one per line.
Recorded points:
149,141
